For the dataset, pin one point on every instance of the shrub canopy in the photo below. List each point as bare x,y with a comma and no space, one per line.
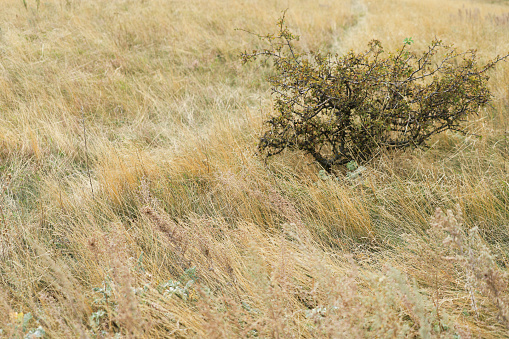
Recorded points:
342,108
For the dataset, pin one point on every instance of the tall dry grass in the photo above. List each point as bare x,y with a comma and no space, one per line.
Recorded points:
167,224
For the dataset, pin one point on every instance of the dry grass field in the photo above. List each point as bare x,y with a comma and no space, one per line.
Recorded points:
133,203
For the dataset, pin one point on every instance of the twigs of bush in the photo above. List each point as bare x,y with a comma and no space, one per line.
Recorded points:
349,107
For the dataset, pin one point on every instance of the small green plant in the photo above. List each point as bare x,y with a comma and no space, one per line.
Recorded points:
96,318
172,287
106,308
408,41
21,321
182,288
343,108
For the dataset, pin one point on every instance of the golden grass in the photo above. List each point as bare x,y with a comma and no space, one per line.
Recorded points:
167,224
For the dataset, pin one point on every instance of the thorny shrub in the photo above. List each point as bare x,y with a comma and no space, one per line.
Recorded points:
342,108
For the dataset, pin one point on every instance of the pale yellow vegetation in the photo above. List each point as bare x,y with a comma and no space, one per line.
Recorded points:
165,222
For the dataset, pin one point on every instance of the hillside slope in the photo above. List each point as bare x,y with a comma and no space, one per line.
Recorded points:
133,203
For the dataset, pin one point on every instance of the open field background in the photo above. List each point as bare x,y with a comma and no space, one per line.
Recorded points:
133,204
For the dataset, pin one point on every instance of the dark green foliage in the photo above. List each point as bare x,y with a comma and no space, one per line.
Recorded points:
349,107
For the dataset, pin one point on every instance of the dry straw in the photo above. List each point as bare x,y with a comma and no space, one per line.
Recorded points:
188,233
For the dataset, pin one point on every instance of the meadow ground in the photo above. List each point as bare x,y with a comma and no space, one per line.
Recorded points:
133,204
